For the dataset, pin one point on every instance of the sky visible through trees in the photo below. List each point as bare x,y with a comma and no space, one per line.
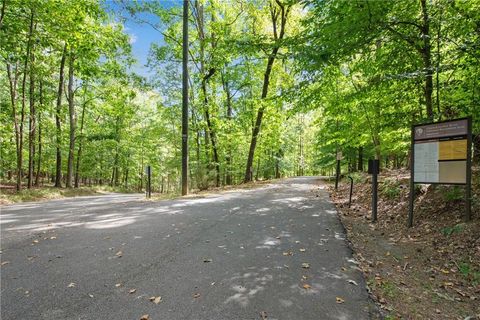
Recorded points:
90,91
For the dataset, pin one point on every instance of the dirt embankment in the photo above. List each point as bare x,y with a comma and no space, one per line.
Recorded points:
429,271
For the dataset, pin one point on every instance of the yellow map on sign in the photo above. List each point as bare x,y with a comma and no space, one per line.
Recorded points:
452,150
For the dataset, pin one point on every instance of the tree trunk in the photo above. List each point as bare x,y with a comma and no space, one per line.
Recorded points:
278,156
212,134
2,12
80,142
39,159
266,82
114,179
58,124
258,122
205,76
476,148
360,159
12,80
427,61
126,178
229,119
71,114
22,113
32,124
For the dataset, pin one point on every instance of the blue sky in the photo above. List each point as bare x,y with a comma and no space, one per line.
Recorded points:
141,34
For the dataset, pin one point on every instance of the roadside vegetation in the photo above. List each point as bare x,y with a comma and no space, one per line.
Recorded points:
277,88
429,271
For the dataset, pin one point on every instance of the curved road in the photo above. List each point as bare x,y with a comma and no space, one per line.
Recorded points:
274,252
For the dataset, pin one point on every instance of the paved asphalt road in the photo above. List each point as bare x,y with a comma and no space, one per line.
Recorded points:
231,255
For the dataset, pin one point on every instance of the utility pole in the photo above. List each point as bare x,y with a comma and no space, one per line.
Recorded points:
185,101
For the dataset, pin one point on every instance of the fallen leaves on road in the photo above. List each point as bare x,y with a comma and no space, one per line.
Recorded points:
339,300
156,300
5,262
305,265
35,241
307,286
118,285
288,253
145,317
206,260
53,238
119,254
263,315
302,249
132,291
72,285
352,282
90,295
196,295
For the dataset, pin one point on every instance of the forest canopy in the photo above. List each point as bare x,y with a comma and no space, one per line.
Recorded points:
276,87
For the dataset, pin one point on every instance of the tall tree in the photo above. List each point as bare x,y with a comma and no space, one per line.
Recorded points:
279,15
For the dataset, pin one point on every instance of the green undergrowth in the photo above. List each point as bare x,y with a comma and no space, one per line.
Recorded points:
48,193
448,231
469,272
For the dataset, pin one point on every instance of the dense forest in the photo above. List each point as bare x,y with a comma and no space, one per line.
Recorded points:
276,88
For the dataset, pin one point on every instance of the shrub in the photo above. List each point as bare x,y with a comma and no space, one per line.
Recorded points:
390,189
448,231
453,194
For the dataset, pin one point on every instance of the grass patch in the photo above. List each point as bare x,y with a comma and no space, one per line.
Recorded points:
448,231
469,273
390,189
389,289
358,177
453,194
36,194
48,193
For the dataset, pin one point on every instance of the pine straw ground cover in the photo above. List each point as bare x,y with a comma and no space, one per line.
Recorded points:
430,271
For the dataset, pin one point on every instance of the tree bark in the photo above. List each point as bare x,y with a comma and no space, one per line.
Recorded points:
12,80
80,143
32,115
211,131
476,148
39,159
71,116
360,159
205,77
2,12
58,123
427,60
22,113
266,81
228,159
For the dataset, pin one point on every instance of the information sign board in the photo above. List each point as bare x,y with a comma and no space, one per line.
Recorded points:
442,154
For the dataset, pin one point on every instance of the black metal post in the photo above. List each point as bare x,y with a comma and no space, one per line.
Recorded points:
337,174
185,101
468,185
351,191
374,196
412,182
149,181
